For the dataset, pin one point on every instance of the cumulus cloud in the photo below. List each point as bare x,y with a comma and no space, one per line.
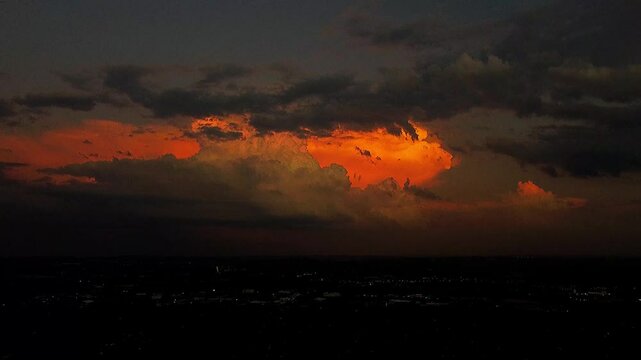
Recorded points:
260,178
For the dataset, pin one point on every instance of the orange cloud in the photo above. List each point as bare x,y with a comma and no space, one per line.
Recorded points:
92,140
372,156
528,193
528,189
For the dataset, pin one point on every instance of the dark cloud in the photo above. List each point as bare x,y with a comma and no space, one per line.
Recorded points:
613,115
287,72
325,86
80,81
569,61
541,65
214,75
612,84
579,61
316,104
199,103
127,79
6,109
176,101
73,102
581,151
568,49
602,32
516,79
469,82
325,103
430,92
433,37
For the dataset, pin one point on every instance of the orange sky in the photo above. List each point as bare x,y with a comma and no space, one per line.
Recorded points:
92,140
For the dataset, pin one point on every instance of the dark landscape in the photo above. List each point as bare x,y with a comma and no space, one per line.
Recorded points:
319,308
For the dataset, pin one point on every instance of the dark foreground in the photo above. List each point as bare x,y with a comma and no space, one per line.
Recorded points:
319,308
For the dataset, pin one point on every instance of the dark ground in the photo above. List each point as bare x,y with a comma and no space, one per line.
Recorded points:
319,308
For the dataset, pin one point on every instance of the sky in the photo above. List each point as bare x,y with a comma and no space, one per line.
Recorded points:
300,127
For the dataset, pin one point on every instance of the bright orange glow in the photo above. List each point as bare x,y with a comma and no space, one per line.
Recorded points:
372,156
93,140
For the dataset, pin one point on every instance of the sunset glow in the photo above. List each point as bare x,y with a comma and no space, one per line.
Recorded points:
368,156
372,156
93,140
